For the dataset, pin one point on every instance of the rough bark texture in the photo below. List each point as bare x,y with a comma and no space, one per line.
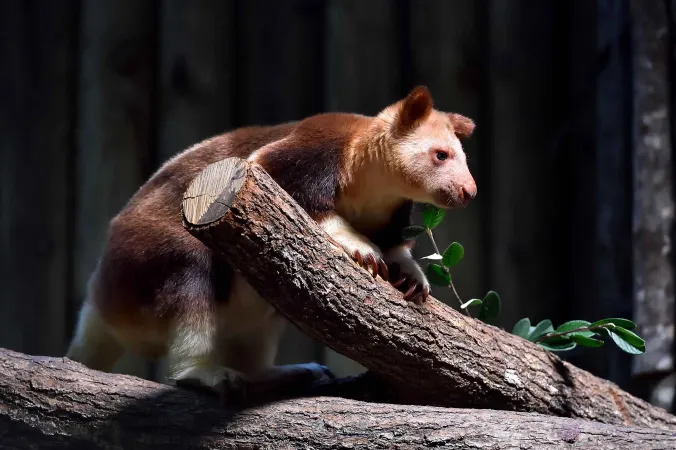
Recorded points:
427,354
57,403
653,205
653,188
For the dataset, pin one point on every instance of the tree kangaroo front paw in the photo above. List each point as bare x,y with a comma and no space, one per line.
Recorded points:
371,261
407,276
363,253
413,284
356,245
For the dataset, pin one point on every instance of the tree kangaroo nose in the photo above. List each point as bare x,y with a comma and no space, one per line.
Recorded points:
467,192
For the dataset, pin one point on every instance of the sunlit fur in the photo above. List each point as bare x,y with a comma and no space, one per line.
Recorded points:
158,291
411,160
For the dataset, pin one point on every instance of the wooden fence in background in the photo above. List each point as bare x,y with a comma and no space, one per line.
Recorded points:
96,94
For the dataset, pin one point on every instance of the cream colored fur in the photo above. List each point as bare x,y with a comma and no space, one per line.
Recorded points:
93,343
351,240
238,343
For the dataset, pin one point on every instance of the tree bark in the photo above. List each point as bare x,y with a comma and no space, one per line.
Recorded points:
653,197
428,354
57,403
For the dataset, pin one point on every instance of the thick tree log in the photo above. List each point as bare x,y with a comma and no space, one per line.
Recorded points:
427,354
57,403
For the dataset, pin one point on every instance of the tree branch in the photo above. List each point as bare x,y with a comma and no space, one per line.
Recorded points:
57,403
428,354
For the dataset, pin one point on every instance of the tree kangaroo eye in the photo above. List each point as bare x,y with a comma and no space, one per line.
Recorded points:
441,155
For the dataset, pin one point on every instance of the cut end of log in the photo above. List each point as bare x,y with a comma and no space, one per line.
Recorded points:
212,192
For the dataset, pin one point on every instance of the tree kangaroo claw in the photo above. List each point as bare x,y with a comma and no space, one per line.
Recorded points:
399,282
372,265
412,290
425,294
359,258
382,267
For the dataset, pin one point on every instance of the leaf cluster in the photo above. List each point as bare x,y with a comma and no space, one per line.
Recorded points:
566,336
580,332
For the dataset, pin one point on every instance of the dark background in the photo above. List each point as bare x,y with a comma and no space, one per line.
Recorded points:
571,101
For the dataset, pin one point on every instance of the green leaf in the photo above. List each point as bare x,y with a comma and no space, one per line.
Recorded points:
453,255
556,341
629,337
490,310
473,302
438,275
625,339
573,325
603,332
624,345
412,232
433,257
432,216
542,328
586,341
522,328
558,348
624,323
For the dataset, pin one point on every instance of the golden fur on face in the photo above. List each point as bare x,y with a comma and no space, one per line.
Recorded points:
414,133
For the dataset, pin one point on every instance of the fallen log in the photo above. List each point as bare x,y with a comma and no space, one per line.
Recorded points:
428,354
57,403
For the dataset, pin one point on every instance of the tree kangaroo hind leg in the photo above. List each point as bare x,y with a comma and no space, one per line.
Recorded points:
251,330
253,353
93,343
230,348
194,355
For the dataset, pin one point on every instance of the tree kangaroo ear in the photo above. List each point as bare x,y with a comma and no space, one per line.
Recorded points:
415,108
463,126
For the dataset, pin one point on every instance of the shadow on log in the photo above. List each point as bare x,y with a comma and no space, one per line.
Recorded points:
428,354
57,403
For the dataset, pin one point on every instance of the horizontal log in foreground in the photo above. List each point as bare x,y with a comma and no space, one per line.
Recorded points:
428,354
50,403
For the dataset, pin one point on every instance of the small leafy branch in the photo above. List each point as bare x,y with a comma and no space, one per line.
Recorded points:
565,337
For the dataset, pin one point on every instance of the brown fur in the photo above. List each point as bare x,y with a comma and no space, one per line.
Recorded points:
414,109
154,277
152,270
463,126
